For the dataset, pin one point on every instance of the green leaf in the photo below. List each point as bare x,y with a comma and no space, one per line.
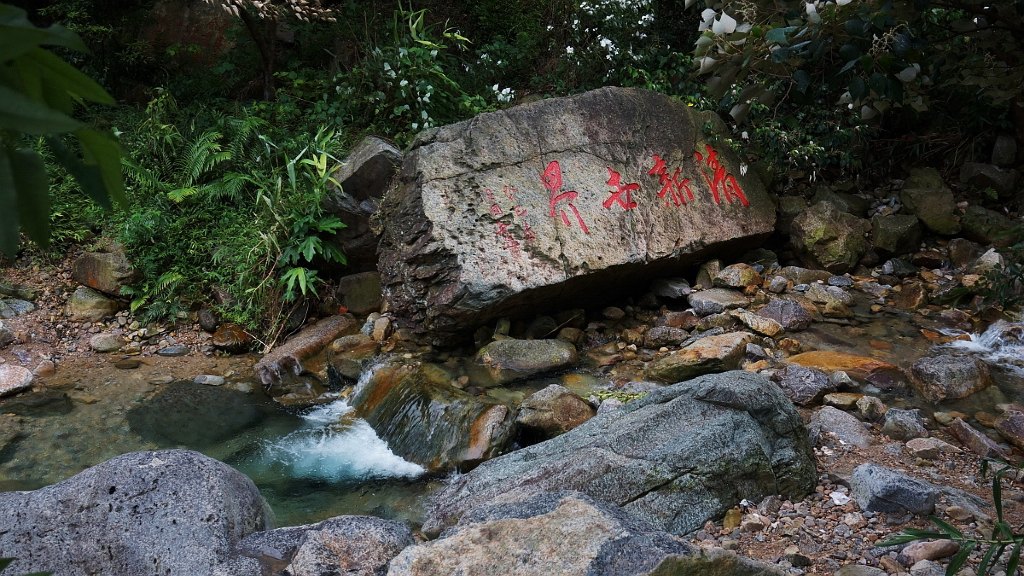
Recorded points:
803,80
1014,561
858,89
8,208
5,562
88,177
66,77
960,558
993,554
33,189
897,540
778,35
22,114
997,496
104,152
947,527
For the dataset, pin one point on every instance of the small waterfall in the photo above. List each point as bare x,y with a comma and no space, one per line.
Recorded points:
334,446
1001,346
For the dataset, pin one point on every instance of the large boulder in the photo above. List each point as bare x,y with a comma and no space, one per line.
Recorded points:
557,202
362,179
568,534
106,272
349,545
895,234
926,196
827,238
426,420
677,457
949,377
143,513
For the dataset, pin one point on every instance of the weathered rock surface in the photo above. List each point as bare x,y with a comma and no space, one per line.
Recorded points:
880,489
676,458
512,210
926,196
287,359
975,441
712,354
360,293
862,368
716,301
426,420
789,314
233,338
988,226
88,305
349,545
12,307
106,272
804,386
511,359
106,342
895,234
903,424
348,355
6,336
846,428
143,513
14,379
947,377
552,411
363,177
827,238
568,534
981,176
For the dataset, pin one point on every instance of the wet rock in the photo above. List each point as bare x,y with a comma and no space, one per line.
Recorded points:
675,458
510,359
975,441
903,424
88,305
426,420
926,196
860,570
895,234
988,226
11,429
716,301
849,203
106,272
363,179
842,400
349,545
715,324
826,238
563,533
930,448
804,386
884,375
360,293
946,377
962,251
659,336
686,320
788,209
880,489
712,354
982,176
871,408
552,411
13,307
737,276
14,379
671,288
350,354
106,342
758,323
1011,427
288,358
828,295
232,338
988,262
467,231
209,380
171,511
789,314
911,296
174,350
844,427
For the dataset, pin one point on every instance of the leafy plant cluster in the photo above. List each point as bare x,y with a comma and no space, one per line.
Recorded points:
1004,537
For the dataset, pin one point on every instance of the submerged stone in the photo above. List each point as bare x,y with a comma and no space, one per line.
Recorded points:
191,414
14,379
510,359
510,211
426,420
940,378
552,411
862,368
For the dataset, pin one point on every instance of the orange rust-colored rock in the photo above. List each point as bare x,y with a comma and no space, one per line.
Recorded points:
290,356
862,368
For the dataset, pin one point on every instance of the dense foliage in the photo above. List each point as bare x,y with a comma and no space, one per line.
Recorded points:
230,135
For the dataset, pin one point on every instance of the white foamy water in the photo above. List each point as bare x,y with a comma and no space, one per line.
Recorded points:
326,449
1001,345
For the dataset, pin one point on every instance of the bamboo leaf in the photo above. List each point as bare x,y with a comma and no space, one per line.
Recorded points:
8,208
947,527
960,559
22,114
33,189
1014,561
997,496
105,153
993,554
67,77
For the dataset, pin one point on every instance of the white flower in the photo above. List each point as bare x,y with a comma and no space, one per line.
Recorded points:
724,25
404,82
812,13
569,50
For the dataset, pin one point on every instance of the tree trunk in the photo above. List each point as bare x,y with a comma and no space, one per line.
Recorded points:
264,37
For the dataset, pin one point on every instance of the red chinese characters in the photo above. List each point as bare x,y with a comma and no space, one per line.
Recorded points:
721,182
616,196
503,230
552,179
674,188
